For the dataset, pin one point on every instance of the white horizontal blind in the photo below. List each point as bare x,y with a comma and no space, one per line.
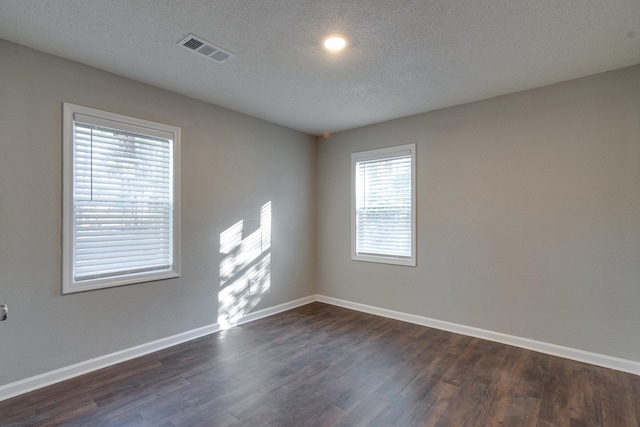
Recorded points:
123,201
383,206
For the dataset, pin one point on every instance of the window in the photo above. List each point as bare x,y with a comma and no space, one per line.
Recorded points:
121,216
383,205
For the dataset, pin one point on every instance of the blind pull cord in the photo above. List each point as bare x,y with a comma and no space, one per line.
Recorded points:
91,165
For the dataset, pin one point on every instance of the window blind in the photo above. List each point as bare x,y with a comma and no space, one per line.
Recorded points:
123,200
383,207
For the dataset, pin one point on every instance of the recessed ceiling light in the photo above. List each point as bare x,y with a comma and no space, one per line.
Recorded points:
335,42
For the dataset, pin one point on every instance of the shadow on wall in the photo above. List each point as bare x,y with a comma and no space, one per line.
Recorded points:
245,269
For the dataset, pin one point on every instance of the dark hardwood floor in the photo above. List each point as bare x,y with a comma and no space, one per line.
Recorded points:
320,365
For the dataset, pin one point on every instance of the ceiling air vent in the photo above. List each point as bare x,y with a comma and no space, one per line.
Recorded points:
205,48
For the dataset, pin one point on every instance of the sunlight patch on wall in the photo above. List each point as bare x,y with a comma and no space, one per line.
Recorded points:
245,269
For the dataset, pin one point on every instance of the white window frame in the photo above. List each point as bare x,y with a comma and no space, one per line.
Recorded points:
127,124
379,154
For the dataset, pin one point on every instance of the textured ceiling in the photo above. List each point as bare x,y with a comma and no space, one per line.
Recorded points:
405,56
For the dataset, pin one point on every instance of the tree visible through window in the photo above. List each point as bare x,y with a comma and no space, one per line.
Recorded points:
121,218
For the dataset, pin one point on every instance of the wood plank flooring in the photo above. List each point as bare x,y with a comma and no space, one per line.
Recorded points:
320,365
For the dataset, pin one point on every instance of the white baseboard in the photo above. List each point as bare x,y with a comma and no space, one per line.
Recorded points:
32,383
38,381
618,364
270,311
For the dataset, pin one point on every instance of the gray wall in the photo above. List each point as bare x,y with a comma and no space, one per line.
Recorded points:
231,165
528,215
